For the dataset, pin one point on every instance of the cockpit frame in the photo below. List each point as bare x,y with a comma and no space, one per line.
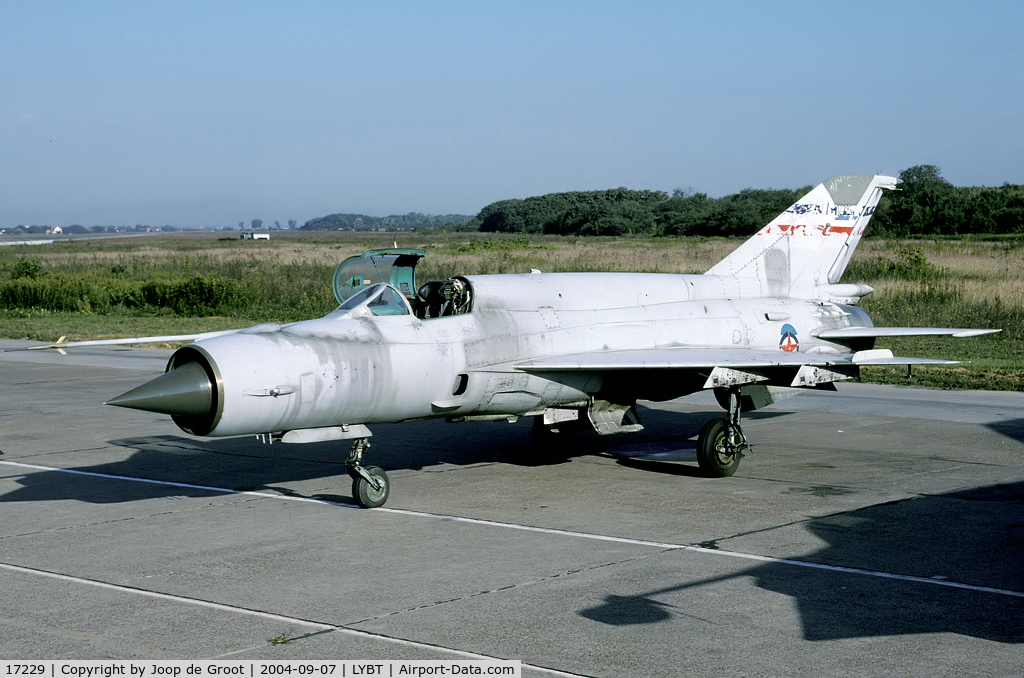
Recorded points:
379,299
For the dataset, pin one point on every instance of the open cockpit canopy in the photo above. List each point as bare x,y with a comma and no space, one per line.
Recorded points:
396,267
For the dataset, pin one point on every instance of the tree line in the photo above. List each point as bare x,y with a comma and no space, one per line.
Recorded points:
363,222
926,204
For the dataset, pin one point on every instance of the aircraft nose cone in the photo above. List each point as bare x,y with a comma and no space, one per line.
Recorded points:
184,391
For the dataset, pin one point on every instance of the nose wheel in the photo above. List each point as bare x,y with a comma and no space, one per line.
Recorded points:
370,485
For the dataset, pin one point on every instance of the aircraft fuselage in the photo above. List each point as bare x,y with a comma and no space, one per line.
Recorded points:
341,370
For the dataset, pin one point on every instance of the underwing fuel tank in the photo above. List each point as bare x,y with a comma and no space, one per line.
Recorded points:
270,381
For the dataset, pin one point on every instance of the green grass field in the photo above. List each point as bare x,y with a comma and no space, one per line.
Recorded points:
188,282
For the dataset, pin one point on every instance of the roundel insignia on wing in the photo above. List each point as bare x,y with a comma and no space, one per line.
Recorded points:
789,342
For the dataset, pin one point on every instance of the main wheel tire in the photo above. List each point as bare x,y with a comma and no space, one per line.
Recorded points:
712,451
365,494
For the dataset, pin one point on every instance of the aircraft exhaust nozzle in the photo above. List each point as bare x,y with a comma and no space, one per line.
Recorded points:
184,391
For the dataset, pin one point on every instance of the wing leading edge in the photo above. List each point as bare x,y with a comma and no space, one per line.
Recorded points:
728,366
60,344
681,358
868,332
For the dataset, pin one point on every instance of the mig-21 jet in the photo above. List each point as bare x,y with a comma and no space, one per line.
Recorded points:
568,349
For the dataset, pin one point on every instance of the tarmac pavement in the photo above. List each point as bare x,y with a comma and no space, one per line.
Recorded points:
873,531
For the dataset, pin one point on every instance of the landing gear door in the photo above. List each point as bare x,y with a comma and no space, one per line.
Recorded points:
394,266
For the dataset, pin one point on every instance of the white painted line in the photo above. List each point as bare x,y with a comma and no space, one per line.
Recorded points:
541,530
166,596
856,570
545,530
315,626
717,552
218,490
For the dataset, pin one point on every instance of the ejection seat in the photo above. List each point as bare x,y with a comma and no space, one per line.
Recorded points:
439,298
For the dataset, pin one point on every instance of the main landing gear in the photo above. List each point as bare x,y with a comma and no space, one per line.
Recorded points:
370,484
721,442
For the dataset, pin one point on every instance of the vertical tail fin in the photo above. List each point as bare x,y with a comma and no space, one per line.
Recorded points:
810,244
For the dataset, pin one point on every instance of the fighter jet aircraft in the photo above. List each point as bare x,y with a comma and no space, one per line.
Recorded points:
568,349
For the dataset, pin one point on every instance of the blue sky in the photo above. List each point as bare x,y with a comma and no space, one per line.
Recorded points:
211,113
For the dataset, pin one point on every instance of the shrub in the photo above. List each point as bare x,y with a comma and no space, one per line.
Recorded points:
910,264
26,268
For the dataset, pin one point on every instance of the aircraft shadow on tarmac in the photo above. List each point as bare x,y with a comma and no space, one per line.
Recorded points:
245,464
973,537
1011,429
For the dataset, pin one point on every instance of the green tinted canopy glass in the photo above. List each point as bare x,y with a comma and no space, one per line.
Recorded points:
394,266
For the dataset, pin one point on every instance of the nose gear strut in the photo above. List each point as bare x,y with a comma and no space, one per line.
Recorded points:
370,485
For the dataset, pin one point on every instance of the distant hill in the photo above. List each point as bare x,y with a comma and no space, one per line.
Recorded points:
362,222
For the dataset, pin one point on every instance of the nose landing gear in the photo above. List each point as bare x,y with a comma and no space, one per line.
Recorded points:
370,485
